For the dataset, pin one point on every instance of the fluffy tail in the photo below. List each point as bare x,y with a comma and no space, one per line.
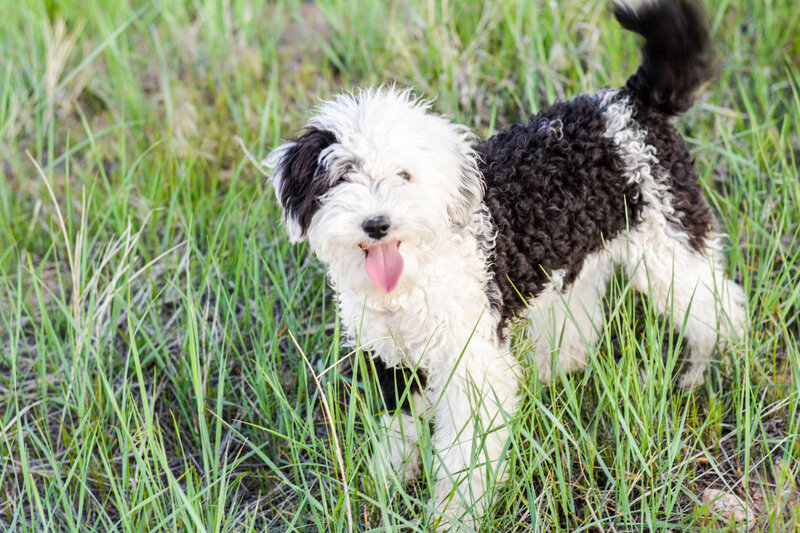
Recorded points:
677,51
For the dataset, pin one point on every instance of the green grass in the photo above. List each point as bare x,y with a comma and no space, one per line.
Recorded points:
169,363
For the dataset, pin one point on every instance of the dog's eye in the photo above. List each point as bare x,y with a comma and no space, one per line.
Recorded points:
405,175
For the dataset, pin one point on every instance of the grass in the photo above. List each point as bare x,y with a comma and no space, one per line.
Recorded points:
170,363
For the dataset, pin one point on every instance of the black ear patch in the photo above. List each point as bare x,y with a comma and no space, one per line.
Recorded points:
303,179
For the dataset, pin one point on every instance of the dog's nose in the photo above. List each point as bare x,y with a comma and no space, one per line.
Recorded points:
376,227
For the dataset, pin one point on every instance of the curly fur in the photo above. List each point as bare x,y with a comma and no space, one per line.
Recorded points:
677,172
526,225
555,193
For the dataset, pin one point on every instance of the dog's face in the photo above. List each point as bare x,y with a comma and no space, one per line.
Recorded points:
373,183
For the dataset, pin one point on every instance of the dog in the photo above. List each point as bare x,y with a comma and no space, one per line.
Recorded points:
435,243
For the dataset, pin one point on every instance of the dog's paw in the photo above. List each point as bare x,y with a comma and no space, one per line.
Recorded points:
544,370
388,462
451,517
692,378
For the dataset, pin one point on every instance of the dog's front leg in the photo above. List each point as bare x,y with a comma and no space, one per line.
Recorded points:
396,446
472,409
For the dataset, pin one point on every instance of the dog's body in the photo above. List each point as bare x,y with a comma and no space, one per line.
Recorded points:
434,245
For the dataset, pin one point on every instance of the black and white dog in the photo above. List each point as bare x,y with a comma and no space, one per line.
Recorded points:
434,243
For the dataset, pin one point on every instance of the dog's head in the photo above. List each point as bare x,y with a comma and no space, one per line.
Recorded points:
374,182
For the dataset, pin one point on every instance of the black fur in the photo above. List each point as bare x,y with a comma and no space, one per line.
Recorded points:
677,55
679,173
556,193
394,382
555,186
303,179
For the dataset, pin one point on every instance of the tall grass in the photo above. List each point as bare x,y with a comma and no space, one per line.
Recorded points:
170,363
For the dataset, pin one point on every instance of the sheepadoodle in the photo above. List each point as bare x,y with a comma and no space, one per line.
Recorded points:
435,242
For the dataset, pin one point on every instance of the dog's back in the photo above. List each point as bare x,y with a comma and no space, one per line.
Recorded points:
420,239
581,172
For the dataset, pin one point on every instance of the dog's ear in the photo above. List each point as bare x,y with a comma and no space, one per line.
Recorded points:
299,178
470,187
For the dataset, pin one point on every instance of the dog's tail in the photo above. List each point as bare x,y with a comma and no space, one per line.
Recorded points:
677,52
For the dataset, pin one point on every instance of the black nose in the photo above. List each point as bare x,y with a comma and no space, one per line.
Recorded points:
376,227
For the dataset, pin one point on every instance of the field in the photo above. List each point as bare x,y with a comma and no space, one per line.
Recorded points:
168,362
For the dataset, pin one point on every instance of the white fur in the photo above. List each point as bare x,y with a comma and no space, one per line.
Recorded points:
689,287
565,324
439,317
632,5
398,449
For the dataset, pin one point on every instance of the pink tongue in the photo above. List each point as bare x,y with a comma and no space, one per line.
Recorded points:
384,265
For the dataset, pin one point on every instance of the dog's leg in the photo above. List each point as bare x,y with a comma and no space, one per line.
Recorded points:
398,449
471,410
568,323
716,313
691,288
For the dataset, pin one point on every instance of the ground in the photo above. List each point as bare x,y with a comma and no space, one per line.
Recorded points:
169,363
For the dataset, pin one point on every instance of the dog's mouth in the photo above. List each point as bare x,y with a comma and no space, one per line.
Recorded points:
384,264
